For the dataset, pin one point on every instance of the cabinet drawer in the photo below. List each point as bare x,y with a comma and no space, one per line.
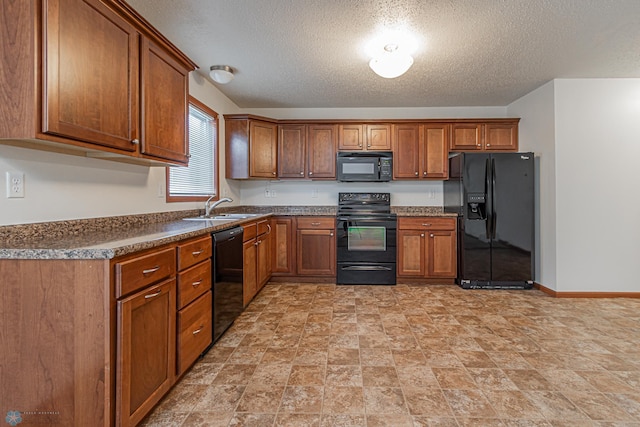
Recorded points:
139,272
193,252
193,282
263,227
194,331
426,223
322,222
250,231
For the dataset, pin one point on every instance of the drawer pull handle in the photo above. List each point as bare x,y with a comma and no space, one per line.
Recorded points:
153,295
197,331
151,270
268,229
315,224
196,253
196,284
426,225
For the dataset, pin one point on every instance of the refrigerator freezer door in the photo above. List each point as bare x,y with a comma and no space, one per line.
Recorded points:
474,237
513,201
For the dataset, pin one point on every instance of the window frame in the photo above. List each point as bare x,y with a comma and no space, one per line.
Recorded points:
182,198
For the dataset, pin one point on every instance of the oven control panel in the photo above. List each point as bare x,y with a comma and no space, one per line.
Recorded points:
380,198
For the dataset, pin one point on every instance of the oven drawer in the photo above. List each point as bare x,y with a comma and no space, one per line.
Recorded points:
426,223
317,222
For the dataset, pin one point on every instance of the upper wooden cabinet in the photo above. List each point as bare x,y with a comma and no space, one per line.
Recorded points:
251,147
111,85
420,151
489,135
321,152
307,151
362,137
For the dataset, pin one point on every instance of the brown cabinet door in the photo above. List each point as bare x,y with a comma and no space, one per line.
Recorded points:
411,253
263,149
321,155
282,243
249,272
264,267
406,151
164,104
466,136
316,252
146,350
350,137
292,141
501,136
435,155
442,254
90,86
378,137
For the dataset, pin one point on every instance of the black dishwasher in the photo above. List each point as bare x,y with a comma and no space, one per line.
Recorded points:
227,279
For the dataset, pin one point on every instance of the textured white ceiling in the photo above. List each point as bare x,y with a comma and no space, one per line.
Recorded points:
310,53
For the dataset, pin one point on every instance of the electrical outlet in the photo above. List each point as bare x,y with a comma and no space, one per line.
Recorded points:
15,184
273,193
160,189
267,193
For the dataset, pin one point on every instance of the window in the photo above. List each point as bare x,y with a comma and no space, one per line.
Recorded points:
199,180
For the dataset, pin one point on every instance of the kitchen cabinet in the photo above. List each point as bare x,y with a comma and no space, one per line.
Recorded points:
194,301
257,263
427,247
316,246
307,151
494,135
421,150
283,246
251,147
146,333
111,85
364,137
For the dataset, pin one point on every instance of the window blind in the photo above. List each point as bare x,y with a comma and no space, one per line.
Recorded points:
197,178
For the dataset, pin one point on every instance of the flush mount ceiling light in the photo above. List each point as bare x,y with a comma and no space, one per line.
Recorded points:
222,74
391,62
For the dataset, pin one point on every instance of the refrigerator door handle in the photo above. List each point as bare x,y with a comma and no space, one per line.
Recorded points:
494,214
488,204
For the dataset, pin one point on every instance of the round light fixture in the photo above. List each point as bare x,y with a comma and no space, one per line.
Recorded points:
222,74
391,63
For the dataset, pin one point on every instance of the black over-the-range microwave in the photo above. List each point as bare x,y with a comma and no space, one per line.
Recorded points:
365,166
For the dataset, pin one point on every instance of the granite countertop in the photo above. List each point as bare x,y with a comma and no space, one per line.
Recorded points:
106,238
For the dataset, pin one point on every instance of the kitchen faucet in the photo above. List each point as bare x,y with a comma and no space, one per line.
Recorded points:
208,206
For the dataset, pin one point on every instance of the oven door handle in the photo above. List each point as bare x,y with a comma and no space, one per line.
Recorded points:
366,268
363,218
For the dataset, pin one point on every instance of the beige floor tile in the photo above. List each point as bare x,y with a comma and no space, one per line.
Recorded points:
343,400
251,420
302,399
261,399
385,400
307,375
454,378
426,401
469,404
297,420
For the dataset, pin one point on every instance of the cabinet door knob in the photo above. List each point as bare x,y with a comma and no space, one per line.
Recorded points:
310,173
421,234
301,173
431,235
479,145
273,173
424,173
368,145
416,173
135,141
331,234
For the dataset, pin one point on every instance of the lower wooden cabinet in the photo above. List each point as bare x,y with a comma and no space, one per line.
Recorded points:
427,247
316,246
283,246
145,367
194,331
257,263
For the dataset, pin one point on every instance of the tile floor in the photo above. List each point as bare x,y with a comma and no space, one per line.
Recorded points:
325,355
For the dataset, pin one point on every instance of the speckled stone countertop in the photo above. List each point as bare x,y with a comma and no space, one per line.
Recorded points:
110,237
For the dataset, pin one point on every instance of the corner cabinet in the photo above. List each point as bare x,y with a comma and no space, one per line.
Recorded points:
111,85
488,135
251,145
427,247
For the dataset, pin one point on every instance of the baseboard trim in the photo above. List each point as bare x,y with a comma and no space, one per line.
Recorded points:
557,294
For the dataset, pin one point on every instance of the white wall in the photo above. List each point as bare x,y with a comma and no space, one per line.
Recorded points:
597,191
537,134
60,187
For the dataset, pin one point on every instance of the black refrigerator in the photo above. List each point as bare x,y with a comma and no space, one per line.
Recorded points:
493,195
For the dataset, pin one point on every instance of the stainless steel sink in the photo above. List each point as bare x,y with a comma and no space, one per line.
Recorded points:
222,217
